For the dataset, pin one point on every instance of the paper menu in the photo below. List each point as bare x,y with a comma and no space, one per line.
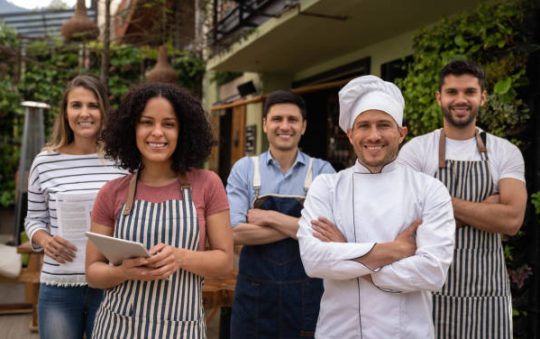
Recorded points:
73,212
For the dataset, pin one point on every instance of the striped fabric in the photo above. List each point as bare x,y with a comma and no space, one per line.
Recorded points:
475,302
51,173
170,308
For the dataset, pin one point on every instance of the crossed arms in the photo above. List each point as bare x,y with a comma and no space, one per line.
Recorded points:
263,227
499,213
256,226
381,254
402,265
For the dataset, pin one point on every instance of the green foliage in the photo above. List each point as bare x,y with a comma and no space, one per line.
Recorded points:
8,37
125,70
494,36
10,116
221,78
491,35
535,201
49,65
10,135
190,68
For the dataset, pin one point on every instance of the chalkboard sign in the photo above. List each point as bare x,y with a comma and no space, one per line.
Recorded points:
251,138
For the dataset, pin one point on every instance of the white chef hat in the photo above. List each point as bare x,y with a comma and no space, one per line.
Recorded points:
369,92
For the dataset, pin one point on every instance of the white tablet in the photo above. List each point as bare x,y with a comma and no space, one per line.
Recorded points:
115,249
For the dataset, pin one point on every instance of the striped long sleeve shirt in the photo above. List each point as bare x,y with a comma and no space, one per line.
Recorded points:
51,173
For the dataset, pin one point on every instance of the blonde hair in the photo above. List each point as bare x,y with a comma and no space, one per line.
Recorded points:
62,134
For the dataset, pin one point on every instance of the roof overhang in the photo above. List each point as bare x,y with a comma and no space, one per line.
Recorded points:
319,30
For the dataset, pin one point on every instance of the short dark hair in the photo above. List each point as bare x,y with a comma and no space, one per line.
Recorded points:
195,138
460,67
284,97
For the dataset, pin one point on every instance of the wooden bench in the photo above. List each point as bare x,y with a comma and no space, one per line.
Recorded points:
30,277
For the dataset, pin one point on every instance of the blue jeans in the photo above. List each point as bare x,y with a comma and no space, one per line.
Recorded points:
67,312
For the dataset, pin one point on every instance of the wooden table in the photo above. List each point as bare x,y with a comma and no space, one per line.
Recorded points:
218,293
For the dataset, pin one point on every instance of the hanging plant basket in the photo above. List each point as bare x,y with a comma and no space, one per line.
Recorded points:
162,71
80,27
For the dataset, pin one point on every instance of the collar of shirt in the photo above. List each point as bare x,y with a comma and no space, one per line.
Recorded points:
301,160
359,168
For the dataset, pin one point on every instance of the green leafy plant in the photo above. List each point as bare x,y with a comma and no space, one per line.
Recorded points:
494,36
190,68
535,201
10,115
221,78
491,35
49,65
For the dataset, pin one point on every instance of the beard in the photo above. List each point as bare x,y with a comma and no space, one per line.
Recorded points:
460,122
376,165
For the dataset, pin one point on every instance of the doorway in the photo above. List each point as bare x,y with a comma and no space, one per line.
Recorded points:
231,139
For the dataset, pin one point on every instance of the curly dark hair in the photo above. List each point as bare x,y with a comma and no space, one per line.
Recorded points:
195,138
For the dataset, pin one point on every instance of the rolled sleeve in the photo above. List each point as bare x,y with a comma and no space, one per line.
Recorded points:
328,260
239,191
435,237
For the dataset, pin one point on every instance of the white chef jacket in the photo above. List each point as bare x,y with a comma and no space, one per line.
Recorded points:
369,208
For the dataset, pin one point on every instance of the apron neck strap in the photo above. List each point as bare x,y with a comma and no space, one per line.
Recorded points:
182,179
480,141
442,146
309,175
256,176
131,193
442,149
184,183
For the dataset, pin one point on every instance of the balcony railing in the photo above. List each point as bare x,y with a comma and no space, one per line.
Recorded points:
243,14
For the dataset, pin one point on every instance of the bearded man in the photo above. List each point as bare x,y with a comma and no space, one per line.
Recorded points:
486,178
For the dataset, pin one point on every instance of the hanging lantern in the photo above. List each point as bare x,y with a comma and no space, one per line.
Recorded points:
162,71
80,27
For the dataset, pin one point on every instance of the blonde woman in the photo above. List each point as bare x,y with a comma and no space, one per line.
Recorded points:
70,165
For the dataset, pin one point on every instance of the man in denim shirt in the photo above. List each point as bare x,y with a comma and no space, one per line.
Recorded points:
274,298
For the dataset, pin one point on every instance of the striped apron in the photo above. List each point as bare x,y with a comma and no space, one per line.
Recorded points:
169,308
476,301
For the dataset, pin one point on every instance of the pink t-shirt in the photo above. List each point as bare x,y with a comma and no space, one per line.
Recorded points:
207,191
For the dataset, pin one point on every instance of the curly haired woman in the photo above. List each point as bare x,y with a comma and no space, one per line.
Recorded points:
161,134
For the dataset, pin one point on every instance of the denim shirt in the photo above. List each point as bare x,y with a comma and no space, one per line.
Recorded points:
241,193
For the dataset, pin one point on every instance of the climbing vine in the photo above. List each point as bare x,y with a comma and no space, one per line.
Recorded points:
10,115
493,36
48,65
